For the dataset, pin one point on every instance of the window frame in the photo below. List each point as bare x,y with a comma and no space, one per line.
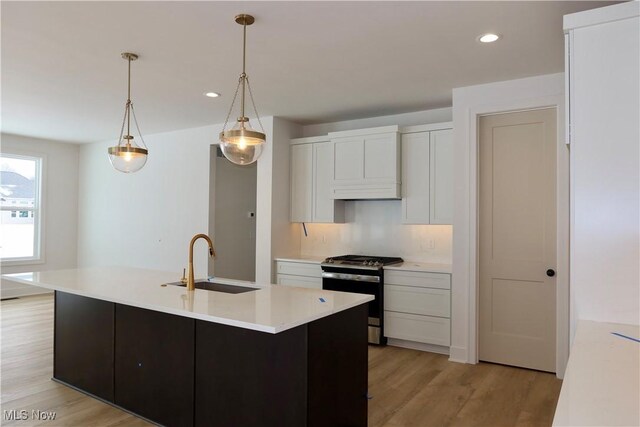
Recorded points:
38,210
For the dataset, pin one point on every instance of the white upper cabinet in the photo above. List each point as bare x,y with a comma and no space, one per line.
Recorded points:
441,177
301,182
427,174
325,208
367,164
374,163
415,178
312,165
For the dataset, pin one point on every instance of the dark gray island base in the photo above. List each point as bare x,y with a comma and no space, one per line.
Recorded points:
179,371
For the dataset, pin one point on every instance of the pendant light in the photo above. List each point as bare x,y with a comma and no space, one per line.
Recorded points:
128,156
242,144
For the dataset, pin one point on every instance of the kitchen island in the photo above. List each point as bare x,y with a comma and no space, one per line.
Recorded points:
271,356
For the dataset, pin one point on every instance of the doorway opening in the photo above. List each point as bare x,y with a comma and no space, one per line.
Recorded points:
232,217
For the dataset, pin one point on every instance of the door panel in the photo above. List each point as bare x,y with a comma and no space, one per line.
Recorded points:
517,235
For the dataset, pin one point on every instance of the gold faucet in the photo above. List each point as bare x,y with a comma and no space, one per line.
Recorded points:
191,281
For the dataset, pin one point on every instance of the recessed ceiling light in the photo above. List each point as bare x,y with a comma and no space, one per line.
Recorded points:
212,94
488,38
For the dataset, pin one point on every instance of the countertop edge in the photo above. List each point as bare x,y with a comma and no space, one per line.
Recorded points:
300,260
421,267
190,314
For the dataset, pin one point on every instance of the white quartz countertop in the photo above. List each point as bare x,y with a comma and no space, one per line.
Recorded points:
601,385
308,259
271,308
407,265
421,266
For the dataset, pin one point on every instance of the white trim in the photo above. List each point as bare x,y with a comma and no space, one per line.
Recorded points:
469,104
431,348
38,209
458,354
426,128
364,132
601,15
310,139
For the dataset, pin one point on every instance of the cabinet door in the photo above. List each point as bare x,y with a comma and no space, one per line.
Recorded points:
248,378
301,182
300,281
83,343
413,327
381,158
154,365
413,300
415,178
349,161
367,167
325,208
441,177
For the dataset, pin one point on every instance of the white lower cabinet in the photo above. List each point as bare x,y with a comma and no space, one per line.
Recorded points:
412,327
417,306
299,274
424,301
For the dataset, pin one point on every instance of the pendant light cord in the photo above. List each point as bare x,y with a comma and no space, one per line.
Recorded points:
244,82
128,100
243,76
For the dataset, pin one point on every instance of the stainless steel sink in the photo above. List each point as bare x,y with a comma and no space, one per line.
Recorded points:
217,287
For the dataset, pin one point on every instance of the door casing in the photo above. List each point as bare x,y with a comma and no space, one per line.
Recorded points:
474,111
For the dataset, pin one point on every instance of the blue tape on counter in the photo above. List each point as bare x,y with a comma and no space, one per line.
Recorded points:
322,300
624,336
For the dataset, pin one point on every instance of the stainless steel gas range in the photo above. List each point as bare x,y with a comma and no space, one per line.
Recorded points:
361,274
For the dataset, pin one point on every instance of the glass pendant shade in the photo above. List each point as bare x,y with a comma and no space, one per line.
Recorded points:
128,158
241,144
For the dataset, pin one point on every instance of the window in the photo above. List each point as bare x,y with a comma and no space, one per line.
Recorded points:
20,184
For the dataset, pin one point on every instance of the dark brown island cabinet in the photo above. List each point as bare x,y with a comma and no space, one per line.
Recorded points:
179,371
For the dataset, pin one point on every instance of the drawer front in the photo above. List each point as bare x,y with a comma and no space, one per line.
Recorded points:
412,327
414,300
299,281
417,278
300,269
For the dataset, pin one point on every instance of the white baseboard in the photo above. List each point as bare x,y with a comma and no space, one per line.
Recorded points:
458,354
431,348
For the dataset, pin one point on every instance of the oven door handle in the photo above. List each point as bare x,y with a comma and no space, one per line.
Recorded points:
352,277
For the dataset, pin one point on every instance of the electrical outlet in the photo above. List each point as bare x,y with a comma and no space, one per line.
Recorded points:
431,244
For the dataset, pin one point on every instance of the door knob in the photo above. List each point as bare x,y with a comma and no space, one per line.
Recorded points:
551,272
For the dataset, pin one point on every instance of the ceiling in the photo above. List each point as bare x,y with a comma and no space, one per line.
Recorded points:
310,62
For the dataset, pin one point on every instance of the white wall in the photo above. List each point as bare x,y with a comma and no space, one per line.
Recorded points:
468,104
374,227
60,207
605,164
146,219
275,235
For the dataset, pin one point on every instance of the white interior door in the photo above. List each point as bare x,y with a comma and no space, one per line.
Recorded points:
517,239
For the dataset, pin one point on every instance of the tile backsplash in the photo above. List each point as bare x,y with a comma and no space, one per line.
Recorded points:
374,227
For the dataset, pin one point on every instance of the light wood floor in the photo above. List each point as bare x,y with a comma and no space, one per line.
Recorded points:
408,388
